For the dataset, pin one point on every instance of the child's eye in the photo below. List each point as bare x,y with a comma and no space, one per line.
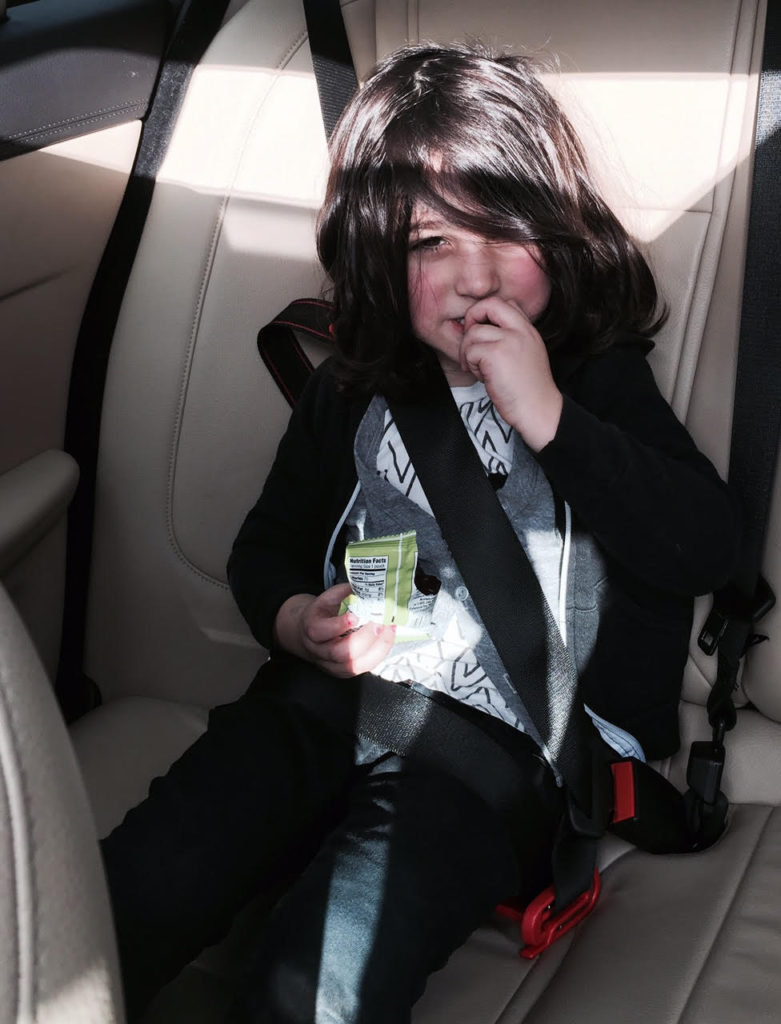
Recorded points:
426,243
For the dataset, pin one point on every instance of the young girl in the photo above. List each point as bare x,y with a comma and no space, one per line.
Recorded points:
463,237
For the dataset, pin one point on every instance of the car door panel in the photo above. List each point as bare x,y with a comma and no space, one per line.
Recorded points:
68,69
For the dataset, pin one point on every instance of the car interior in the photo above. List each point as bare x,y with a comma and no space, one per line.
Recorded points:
664,95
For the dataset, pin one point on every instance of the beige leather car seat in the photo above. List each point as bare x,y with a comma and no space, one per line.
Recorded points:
57,959
664,95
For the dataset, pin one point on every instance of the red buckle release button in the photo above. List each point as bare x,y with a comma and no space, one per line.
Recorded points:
624,793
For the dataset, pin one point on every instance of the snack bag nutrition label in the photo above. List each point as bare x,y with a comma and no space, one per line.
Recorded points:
381,571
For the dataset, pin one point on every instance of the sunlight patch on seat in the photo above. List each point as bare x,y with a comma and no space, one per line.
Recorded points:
86,999
696,116
255,131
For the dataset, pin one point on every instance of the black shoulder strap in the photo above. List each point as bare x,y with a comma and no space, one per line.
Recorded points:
756,424
757,417
500,580
331,58
196,26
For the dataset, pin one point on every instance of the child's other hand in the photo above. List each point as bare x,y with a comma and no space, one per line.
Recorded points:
503,349
312,628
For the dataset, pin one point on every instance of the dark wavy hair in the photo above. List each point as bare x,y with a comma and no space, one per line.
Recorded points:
479,139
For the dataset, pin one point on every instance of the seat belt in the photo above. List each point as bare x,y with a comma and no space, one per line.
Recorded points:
197,23
507,594
500,580
331,58
423,727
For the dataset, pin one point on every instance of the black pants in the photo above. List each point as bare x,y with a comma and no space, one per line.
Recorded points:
392,865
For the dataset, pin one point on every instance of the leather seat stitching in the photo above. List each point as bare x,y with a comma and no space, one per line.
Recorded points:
188,362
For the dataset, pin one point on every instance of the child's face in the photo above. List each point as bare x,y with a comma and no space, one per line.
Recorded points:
449,269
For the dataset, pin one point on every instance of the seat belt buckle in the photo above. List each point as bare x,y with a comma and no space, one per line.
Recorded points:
707,808
593,824
730,605
704,770
541,925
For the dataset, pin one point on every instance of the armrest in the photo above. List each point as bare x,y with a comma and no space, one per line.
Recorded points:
33,497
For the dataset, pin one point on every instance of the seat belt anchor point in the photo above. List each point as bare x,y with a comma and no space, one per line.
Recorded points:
704,770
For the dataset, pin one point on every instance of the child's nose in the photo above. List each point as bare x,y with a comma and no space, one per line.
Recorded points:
478,275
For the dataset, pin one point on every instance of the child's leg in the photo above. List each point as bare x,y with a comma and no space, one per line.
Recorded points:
257,790
416,865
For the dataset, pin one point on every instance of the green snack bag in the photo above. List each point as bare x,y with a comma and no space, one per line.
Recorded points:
381,571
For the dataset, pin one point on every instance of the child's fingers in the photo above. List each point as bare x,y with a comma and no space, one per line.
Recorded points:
381,640
476,344
361,650
330,600
323,621
505,356
497,311
353,647
329,629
